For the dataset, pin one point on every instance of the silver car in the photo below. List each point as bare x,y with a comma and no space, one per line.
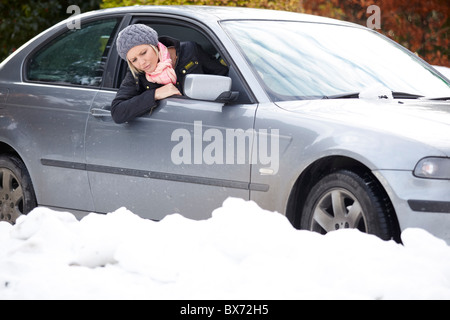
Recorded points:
326,122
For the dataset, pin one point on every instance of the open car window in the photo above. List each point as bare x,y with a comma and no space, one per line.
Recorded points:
183,32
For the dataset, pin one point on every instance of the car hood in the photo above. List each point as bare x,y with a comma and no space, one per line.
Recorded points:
424,121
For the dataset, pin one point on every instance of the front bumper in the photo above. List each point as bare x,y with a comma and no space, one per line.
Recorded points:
419,203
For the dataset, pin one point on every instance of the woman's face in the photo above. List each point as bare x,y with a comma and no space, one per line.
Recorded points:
143,58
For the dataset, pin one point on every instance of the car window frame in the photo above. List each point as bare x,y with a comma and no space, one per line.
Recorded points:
116,64
61,31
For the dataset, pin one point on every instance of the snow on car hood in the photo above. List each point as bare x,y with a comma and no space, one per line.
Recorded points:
424,121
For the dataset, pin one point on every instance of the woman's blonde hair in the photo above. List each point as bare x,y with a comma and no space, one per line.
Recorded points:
135,71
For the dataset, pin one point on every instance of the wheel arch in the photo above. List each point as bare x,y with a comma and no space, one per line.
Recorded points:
318,170
6,149
18,195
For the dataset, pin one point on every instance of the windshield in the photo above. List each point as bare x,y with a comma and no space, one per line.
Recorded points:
299,60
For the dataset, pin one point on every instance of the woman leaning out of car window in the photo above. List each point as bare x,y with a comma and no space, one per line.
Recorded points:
157,67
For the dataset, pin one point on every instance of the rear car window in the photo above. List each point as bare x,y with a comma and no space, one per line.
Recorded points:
76,57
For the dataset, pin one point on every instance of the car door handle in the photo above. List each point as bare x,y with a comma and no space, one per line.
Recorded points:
100,113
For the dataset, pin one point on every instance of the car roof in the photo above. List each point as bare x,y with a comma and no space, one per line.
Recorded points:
207,14
220,13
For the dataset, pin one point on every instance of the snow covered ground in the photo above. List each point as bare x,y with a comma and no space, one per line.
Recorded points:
242,252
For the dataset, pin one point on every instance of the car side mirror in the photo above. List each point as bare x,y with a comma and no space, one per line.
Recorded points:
209,87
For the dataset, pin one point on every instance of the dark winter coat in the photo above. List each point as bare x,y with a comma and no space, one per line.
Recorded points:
136,97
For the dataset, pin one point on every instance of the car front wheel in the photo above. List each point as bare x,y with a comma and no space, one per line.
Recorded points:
16,191
343,200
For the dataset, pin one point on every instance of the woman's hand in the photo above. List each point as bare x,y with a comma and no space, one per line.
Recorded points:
166,91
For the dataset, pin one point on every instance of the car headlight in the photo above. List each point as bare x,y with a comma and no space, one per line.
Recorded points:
433,168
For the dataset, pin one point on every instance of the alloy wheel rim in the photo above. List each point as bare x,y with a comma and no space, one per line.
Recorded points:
338,209
11,196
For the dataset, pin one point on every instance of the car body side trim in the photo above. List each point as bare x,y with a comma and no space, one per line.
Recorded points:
157,175
429,206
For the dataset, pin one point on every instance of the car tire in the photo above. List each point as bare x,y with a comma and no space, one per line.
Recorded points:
345,199
16,190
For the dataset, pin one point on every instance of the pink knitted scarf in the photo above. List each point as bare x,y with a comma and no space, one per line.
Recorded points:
164,72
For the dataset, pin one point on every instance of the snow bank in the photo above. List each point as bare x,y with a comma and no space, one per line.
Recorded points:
242,252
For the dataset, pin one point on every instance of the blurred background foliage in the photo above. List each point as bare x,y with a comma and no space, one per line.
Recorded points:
21,20
421,26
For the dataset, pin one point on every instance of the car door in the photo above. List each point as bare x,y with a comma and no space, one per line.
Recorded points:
62,78
187,156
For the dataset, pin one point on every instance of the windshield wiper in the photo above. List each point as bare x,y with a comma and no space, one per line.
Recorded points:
355,95
404,95
439,99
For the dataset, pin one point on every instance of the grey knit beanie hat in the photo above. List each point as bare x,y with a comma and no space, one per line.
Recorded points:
135,35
